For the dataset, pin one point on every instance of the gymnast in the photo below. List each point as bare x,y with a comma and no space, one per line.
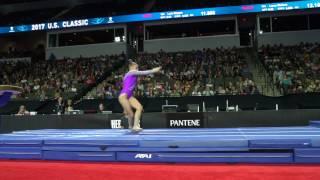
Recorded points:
126,98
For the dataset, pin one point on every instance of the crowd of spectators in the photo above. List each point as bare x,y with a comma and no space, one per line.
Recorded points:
204,72
50,79
295,69
195,73
224,72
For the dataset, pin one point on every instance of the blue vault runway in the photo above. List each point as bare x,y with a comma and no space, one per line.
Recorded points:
230,145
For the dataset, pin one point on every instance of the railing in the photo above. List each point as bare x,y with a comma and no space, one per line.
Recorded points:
268,79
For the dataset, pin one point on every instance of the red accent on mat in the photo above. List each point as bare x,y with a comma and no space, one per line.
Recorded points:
36,170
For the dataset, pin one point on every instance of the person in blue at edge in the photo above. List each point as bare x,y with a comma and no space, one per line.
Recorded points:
6,92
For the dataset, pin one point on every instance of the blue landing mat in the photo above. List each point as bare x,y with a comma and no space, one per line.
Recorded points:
20,152
311,155
250,145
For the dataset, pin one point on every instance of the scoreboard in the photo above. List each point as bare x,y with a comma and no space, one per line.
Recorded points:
158,16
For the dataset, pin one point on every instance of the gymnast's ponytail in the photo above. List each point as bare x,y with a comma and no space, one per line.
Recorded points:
131,62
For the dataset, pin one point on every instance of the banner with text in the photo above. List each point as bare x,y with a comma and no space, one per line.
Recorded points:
185,120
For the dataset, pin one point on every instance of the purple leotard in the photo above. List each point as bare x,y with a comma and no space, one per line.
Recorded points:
130,81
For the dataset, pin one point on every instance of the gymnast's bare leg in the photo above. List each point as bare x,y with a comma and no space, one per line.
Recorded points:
123,100
137,115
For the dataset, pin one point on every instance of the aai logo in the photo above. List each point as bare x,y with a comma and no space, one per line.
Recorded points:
143,156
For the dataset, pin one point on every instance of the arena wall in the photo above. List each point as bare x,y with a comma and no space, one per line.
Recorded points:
289,37
192,43
86,50
265,118
22,42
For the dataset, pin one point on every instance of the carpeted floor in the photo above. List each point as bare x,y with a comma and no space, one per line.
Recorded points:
48,170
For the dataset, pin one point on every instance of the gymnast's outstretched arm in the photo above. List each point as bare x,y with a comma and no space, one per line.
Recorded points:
147,72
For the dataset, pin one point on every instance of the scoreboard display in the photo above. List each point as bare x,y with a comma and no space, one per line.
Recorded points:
158,16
